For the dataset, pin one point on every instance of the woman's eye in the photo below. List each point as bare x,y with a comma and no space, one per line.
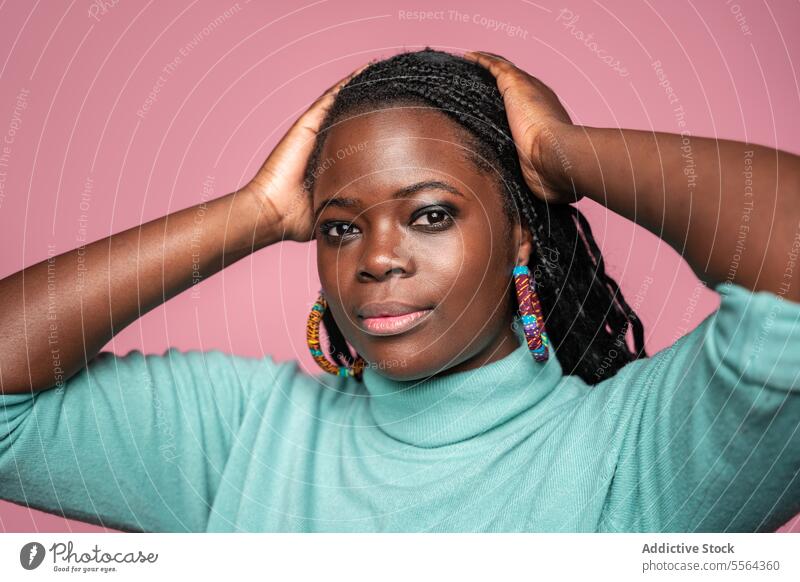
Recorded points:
337,230
431,219
434,218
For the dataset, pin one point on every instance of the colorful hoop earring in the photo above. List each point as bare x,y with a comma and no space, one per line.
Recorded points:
530,311
314,346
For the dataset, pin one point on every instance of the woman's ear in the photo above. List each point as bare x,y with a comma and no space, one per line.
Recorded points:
523,242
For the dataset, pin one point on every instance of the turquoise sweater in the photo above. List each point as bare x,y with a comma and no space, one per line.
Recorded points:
704,436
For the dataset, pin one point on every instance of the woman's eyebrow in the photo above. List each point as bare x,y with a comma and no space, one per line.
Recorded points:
406,192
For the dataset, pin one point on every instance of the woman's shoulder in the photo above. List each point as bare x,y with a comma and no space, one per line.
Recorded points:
751,338
193,366
294,382
183,370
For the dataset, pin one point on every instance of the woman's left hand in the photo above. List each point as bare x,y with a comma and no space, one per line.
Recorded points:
537,120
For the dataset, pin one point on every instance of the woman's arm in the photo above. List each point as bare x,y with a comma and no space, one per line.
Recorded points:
140,442
731,209
56,315
707,432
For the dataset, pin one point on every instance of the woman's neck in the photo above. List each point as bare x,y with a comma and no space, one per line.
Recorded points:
452,407
498,347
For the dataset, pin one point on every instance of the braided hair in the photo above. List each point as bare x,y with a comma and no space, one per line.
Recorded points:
586,315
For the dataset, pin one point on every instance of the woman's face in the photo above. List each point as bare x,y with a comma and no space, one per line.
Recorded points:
407,224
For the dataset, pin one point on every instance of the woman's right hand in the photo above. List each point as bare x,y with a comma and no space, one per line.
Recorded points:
278,185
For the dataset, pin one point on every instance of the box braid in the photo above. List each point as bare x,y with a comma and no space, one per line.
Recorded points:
586,315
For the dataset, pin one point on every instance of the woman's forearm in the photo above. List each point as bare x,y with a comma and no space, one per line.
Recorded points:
57,314
731,209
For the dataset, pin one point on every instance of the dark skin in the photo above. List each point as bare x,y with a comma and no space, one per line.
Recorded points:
431,248
64,311
691,192
55,316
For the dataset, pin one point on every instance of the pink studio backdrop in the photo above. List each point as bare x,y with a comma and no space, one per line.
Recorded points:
89,150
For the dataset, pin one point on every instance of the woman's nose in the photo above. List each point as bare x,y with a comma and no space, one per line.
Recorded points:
384,256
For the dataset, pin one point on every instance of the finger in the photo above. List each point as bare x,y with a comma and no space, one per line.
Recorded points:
358,70
490,55
486,58
496,64
506,74
315,113
483,59
325,100
344,81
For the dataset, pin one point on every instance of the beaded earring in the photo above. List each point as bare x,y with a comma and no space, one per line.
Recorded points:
531,313
312,337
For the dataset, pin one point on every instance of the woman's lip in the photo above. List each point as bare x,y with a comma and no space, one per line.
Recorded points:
395,324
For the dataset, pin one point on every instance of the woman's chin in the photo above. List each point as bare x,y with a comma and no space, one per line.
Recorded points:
402,368
393,368
394,365
408,356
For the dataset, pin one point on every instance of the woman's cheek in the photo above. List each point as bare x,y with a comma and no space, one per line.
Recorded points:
446,257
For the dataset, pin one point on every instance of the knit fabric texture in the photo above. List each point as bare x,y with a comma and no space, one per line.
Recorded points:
703,436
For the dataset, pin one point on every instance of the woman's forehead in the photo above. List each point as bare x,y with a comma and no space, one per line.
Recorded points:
395,141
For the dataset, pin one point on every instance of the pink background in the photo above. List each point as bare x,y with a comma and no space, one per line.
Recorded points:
234,93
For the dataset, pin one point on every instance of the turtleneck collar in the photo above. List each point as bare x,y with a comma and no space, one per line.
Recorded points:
442,410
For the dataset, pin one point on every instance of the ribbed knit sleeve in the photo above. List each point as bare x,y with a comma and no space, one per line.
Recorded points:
712,424
135,442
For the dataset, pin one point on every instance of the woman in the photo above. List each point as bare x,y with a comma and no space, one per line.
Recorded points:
492,387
